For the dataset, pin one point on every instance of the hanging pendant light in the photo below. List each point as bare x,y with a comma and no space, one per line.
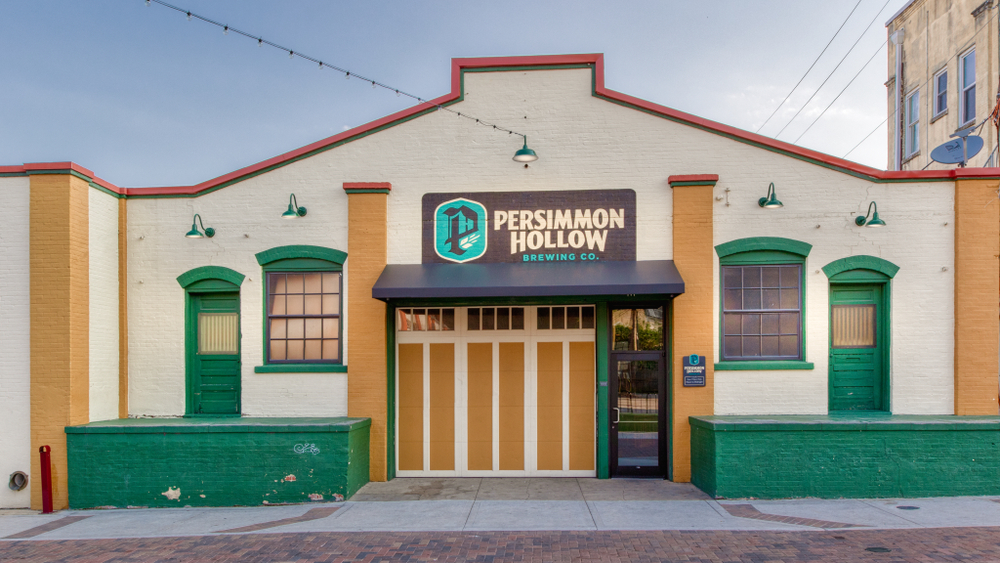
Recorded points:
525,154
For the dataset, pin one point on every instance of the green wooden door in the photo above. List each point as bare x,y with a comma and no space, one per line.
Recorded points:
214,354
858,329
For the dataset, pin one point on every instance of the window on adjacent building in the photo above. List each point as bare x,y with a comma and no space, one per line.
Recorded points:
912,142
967,85
762,312
940,92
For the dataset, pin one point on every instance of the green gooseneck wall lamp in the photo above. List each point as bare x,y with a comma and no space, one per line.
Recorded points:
770,201
294,211
525,154
874,222
195,233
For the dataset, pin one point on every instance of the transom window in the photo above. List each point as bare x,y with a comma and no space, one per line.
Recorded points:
561,318
762,312
434,320
303,316
495,318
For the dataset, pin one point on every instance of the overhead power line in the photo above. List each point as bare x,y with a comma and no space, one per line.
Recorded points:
810,67
844,89
849,51
226,29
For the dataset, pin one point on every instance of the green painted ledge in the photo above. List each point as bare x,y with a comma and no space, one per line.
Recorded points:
301,368
229,424
762,365
846,422
845,455
177,462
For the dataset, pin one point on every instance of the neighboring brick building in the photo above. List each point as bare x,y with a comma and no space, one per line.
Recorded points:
949,69
443,311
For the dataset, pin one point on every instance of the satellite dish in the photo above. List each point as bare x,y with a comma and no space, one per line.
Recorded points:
960,150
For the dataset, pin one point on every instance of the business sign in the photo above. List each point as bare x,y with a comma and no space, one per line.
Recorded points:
531,227
693,367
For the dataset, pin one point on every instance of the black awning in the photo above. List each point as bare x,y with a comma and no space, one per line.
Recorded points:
445,281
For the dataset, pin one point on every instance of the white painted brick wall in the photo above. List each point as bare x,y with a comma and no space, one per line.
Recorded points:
15,333
103,226
583,143
247,219
916,239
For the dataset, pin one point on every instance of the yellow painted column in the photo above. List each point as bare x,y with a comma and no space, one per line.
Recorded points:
60,321
693,328
977,285
122,309
367,254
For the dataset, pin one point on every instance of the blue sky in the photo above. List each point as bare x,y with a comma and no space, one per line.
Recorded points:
143,97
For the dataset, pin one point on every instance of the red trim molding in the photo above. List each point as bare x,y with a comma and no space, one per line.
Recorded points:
693,180
540,62
61,168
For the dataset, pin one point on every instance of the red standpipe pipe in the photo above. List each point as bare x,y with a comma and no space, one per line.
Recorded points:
46,454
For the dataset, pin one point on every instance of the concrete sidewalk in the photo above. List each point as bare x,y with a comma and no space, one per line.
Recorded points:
473,505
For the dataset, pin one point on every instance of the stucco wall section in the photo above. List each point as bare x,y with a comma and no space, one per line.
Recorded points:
60,275
15,332
103,225
819,208
247,219
936,34
977,246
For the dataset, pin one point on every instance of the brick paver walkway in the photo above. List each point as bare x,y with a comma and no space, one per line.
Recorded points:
940,544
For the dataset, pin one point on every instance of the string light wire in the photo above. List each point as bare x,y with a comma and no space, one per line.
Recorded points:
347,74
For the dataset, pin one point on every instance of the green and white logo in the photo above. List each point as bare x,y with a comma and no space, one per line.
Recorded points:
460,230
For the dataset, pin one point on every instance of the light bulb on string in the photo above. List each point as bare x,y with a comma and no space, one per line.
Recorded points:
225,30
189,16
321,65
291,54
347,75
260,42
397,93
148,3
373,84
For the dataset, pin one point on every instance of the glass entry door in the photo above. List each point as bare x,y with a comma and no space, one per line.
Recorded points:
638,393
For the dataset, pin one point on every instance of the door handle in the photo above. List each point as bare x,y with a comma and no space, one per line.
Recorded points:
618,415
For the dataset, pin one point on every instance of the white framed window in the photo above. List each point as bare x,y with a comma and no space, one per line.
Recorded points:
967,87
912,136
940,92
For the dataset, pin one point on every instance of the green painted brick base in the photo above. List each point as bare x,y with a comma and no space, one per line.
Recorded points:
215,462
853,456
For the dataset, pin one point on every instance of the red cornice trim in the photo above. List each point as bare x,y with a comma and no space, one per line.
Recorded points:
60,167
703,178
541,61
367,186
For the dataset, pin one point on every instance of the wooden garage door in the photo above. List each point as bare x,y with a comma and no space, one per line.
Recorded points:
501,391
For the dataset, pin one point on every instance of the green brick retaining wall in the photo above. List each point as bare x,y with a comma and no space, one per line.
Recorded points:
215,462
845,456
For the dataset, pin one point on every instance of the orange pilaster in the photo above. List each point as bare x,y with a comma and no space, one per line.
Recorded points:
693,329
367,254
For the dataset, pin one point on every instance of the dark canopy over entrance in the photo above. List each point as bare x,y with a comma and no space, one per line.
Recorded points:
445,281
